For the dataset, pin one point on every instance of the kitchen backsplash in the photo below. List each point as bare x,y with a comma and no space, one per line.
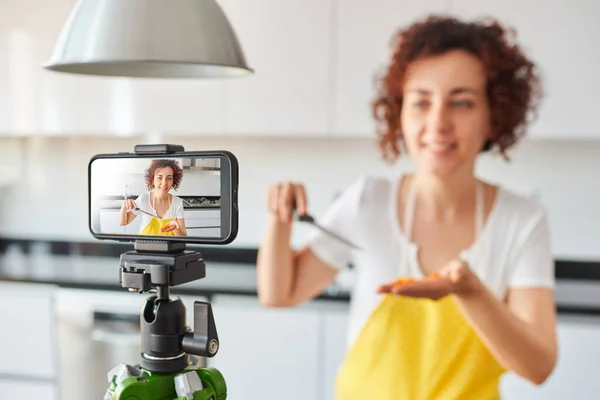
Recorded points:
49,200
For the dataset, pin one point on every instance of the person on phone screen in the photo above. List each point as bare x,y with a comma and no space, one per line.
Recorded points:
166,209
454,275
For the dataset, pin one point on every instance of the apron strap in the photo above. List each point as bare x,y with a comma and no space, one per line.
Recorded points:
479,208
409,211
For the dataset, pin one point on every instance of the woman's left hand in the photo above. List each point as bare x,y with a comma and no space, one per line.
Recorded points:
171,226
455,277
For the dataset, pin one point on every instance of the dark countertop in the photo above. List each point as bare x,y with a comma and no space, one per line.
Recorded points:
102,273
229,270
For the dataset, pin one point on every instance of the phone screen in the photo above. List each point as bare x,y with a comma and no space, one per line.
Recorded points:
189,197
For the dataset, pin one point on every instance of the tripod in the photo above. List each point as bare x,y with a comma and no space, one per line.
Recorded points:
164,372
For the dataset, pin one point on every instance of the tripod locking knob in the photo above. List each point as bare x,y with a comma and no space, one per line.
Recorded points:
203,341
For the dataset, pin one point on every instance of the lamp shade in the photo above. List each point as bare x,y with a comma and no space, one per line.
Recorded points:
148,38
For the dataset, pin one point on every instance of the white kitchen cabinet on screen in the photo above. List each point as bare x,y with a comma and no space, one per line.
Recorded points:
288,44
363,33
562,37
266,354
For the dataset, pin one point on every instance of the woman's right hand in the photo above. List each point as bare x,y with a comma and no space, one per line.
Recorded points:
128,205
284,198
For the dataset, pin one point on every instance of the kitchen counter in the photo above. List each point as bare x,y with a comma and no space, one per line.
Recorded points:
102,273
229,270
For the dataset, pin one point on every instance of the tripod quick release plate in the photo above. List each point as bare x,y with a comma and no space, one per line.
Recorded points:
144,270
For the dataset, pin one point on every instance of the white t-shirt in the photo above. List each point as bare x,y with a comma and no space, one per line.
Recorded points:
512,249
175,211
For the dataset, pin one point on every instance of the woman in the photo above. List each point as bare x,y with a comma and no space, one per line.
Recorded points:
451,91
162,176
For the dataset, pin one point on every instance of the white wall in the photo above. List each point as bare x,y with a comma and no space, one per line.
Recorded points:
50,198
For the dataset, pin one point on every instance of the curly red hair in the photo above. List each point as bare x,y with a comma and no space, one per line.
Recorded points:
162,163
513,85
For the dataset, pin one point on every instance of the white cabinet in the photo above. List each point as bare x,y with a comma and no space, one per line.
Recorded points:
204,232
562,38
576,374
363,33
34,100
203,223
12,390
109,222
335,330
177,106
288,44
26,339
315,65
266,354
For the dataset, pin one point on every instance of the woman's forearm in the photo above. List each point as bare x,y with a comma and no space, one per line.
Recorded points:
123,217
513,342
275,264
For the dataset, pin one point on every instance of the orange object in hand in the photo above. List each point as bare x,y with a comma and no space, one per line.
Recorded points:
402,281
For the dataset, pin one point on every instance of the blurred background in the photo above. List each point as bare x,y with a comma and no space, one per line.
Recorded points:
304,116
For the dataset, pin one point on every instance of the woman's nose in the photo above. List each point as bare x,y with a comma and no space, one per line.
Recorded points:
439,119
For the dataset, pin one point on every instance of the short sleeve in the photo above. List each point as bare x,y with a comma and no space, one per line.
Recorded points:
179,213
340,218
533,262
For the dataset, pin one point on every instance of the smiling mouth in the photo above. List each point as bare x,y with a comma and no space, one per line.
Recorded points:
439,148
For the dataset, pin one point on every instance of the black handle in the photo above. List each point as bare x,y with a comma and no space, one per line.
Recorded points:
203,341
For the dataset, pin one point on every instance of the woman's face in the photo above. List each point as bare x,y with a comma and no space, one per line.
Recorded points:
163,179
445,115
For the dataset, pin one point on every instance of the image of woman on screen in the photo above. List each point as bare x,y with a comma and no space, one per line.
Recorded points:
161,212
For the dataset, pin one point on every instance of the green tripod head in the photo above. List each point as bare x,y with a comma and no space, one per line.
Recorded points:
165,372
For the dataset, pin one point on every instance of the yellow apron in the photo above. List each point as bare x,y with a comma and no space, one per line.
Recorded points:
418,349
153,227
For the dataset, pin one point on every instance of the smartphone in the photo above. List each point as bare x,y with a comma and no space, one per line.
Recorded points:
176,196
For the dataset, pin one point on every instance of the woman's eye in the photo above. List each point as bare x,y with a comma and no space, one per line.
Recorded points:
462,103
420,104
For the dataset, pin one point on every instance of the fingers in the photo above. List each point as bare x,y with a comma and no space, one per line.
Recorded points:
300,199
169,227
423,290
284,198
286,202
384,289
454,271
129,205
272,196
431,289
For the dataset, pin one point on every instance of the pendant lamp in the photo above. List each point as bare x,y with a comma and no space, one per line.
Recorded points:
149,39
